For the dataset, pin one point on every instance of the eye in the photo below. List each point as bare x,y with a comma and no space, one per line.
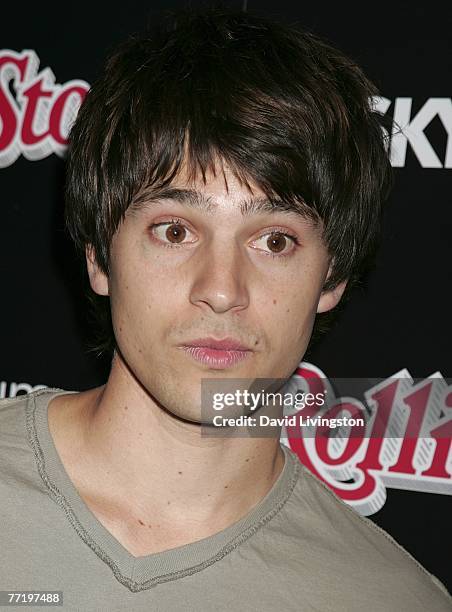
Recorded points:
280,243
171,233
174,232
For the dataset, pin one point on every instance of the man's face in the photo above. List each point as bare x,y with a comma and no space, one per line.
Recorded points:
180,273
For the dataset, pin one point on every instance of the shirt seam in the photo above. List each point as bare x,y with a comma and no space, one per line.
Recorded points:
131,584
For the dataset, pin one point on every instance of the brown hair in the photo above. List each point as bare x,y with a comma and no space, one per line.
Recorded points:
279,105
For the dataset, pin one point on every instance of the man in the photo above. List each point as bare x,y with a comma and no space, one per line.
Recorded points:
225,183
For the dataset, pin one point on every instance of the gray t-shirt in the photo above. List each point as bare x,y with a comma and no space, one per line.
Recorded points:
301,548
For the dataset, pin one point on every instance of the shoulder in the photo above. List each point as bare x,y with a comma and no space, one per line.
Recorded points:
16,455
346,544
12,413
12,409
15,431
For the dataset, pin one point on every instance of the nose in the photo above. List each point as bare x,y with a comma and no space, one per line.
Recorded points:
220,280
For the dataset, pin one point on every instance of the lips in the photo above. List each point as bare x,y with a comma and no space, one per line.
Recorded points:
217,354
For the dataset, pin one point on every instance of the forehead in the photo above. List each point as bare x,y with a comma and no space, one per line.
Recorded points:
222,189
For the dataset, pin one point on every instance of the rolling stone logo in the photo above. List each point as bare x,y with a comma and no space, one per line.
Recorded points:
35,121
406,441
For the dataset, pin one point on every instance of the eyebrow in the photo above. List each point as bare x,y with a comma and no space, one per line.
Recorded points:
200,202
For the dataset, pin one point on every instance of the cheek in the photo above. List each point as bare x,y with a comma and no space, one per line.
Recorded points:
144,303
291,314
132,302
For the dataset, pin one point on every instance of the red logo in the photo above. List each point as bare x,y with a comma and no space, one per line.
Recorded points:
405,444
34,122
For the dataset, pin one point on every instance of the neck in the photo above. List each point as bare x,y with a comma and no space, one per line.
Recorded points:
135,454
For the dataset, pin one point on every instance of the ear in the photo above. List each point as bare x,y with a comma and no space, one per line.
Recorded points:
329,299
97,278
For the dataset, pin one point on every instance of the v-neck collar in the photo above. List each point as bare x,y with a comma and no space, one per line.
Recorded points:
139,573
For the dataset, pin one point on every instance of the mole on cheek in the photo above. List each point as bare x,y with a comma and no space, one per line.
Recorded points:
274,301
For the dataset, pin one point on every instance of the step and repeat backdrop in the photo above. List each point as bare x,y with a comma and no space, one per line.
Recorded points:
394,335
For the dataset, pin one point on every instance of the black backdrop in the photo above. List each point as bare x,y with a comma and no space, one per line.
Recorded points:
400,319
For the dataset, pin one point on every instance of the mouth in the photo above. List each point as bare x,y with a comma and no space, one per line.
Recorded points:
217,354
